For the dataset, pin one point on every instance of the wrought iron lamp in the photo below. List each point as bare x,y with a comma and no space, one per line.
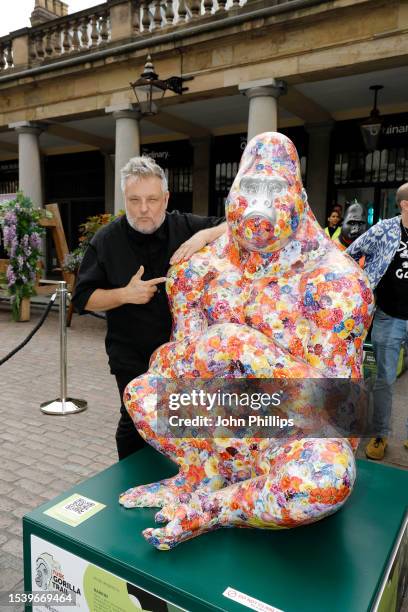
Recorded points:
371,127
148,88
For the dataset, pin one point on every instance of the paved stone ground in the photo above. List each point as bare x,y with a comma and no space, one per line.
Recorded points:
41,456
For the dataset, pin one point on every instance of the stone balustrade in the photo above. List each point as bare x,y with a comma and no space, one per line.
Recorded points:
109,24
6,53
74,33
156,14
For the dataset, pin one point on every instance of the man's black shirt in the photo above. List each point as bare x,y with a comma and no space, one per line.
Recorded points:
392,290
115,254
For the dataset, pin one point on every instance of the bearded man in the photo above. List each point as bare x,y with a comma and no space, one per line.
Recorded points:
123,272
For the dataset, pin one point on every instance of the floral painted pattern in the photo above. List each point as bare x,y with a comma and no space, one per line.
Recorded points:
378,245
272,298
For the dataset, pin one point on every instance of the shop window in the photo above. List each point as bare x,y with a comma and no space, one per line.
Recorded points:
401,166
180,179
224,176
356,167
381,166
9,186
8,177
375,170
368,166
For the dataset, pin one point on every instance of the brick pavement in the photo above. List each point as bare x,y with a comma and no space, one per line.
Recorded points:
40,455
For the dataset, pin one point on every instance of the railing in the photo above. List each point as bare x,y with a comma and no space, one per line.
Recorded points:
151,15
6,53
104,24
74,33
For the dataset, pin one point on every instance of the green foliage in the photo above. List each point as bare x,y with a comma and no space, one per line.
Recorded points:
22,234
87,230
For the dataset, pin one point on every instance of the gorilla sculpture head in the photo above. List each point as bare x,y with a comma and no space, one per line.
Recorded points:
267,199
354,223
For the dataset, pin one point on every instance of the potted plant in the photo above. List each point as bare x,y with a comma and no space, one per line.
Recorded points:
22,236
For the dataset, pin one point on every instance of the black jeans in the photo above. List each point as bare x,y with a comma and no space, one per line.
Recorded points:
128,440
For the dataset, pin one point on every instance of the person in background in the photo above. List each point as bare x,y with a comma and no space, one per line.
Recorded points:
385,248
338,208
123,271
333,225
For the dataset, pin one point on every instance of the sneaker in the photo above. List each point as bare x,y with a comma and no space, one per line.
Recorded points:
375,449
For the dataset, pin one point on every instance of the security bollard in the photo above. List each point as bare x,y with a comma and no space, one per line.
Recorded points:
63,405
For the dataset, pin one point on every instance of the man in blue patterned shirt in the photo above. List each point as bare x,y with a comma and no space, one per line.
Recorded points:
385,248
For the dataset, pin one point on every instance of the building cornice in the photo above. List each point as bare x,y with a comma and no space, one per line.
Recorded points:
175,36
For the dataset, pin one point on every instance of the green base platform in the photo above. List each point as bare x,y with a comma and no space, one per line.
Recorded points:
340,564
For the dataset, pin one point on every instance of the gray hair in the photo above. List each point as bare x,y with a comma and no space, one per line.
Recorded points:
142,167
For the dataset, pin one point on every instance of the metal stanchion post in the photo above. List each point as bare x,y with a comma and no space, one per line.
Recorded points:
63,405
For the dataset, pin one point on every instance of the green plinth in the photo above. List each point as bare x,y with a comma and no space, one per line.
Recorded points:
337,564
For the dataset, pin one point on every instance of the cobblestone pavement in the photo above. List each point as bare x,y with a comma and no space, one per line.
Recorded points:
40,455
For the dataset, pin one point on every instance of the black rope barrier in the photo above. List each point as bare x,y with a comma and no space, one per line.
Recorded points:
33,331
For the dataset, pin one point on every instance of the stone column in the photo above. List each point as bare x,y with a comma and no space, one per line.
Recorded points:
127,145
263,104
29,161
201,175
317,173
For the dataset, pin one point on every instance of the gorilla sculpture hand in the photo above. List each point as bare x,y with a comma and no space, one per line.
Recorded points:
275,296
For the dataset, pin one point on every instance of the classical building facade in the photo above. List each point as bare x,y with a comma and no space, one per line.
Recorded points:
69,119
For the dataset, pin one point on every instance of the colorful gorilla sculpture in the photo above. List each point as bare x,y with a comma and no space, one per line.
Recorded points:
273,297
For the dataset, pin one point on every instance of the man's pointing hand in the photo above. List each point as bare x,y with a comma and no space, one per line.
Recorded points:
139,291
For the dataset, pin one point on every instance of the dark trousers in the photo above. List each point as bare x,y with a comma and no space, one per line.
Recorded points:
128,440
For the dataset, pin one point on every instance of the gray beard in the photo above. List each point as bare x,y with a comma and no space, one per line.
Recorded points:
133,225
